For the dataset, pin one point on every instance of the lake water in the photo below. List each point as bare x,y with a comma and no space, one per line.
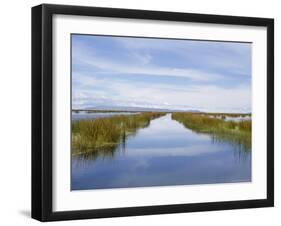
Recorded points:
237,119
165,153
89,115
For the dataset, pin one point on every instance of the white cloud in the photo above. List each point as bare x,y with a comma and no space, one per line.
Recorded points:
108,66
194,150
203,97
235,57
143,58
91,88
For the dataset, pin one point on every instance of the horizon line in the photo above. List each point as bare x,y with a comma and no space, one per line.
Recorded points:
159,109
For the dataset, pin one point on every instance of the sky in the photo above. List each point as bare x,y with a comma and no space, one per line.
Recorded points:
209,76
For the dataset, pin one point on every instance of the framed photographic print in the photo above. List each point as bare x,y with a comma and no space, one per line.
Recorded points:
145,112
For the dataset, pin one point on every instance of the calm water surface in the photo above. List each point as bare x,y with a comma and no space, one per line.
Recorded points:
165,153
237,119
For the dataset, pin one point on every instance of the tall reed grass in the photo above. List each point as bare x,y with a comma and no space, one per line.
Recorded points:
102,136
234,131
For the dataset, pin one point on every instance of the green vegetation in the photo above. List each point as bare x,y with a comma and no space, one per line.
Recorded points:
236,132
102,136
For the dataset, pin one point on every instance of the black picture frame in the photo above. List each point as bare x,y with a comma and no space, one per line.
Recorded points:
42,106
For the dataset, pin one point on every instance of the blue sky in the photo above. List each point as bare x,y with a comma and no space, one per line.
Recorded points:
160,73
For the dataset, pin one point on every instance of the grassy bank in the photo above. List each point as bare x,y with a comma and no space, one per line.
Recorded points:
102,136
238,132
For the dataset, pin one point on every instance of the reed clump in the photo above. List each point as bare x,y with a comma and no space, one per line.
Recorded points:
233,131
103,135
